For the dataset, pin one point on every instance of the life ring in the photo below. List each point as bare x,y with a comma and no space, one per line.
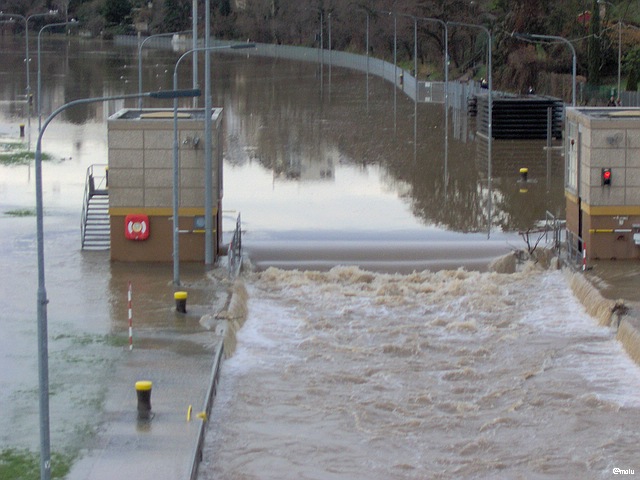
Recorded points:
136,227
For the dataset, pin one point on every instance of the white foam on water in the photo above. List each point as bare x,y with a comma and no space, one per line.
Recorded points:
350,374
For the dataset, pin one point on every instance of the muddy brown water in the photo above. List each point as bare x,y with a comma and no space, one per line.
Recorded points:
340,373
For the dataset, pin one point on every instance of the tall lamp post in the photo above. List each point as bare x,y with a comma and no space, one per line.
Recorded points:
158,35
446,51
208,165
176,166
601,2
49,25
490,107
446,55
366,46
446,90
43,355
26,36
532,36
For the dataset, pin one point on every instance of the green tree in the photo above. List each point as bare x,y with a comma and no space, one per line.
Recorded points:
177,15
595,50
632,68
116,12
89,16
223,7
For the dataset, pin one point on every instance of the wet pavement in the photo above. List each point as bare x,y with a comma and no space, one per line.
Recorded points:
181,367
163,447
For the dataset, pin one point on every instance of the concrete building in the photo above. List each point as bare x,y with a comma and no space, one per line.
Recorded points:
602,180
140,183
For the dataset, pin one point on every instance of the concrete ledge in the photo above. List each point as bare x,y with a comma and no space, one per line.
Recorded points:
629,336
614,314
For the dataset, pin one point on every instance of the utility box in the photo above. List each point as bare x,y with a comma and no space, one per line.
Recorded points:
602,180
141,178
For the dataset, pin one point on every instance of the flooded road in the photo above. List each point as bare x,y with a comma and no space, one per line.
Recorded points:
338,373
327,162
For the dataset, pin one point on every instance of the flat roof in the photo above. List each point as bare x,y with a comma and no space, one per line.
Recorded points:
609,112
159,114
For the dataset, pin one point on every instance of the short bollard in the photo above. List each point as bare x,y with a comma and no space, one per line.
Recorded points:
21,130
181,301
143,391
524,175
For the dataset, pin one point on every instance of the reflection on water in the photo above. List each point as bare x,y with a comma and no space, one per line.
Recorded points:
281,118
347,162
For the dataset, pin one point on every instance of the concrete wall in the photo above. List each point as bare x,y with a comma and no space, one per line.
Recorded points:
605,137
141,181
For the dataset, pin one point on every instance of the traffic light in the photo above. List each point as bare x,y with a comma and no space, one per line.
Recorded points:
606,176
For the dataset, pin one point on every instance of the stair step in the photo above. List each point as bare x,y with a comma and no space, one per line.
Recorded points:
97,227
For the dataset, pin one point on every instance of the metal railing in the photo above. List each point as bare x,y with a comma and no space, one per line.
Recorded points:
234,253
208,403
93,183
575,251
554,228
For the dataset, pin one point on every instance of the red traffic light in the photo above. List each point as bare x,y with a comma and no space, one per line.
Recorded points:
606,176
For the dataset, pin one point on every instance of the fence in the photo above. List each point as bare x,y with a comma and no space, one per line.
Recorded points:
208,403
575,248
234,253
599,95
416,90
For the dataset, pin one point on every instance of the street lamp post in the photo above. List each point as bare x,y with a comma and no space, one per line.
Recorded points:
490,107
140,59
194,45
619,55
208,165
176,206
27,59
619,45
446,49
42,301
367,47
366,12
49,25
446,88
532,36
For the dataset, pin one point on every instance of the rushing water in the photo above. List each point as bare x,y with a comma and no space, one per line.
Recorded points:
454,374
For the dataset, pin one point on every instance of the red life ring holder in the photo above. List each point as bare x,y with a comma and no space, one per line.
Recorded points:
136,227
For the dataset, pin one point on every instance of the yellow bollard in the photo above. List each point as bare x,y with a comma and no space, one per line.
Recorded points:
524,173
22,130
143,391
181,301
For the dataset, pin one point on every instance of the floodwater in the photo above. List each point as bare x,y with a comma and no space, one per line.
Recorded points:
324,174
454,374
339,373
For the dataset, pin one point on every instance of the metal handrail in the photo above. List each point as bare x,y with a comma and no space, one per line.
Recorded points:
234,253
208,403
90,188
575,250
552,224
